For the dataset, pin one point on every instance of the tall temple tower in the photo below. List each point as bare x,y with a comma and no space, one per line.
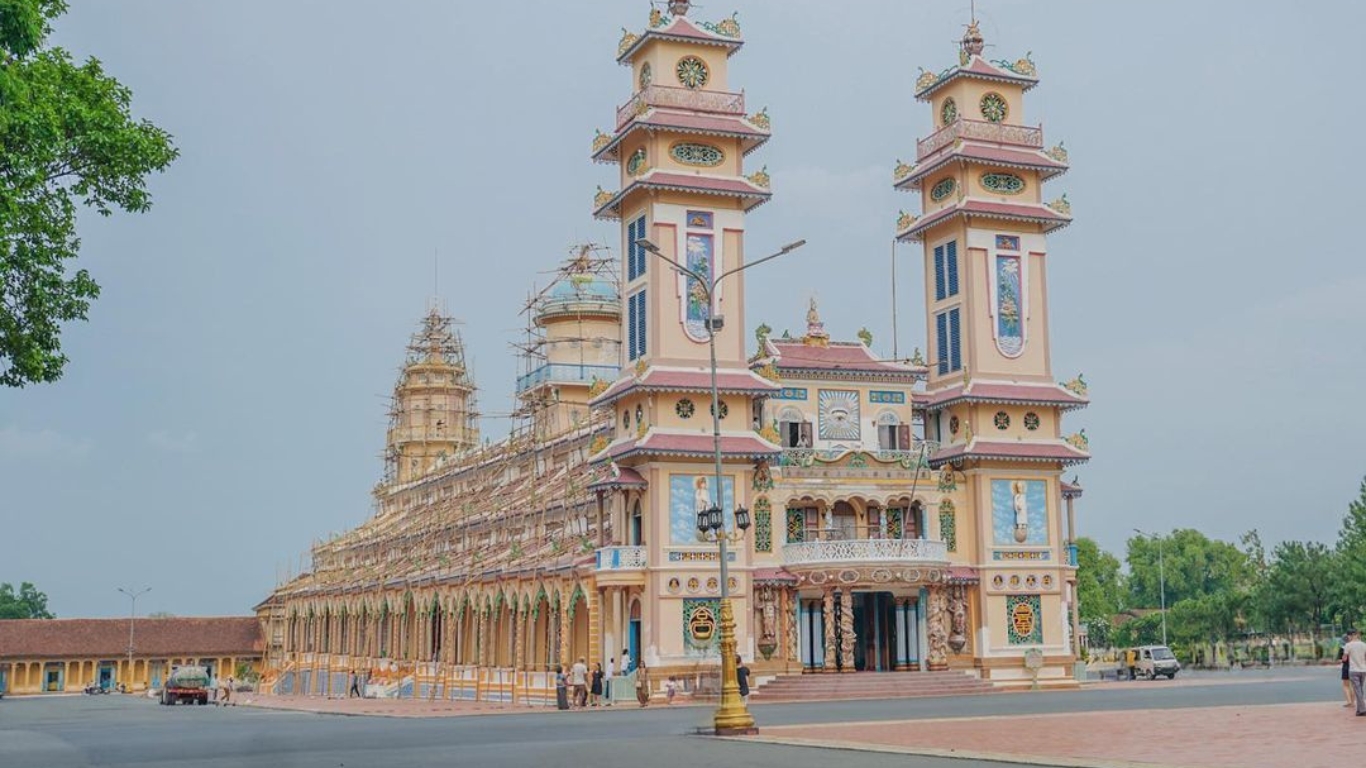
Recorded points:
991,402
681,141
433,416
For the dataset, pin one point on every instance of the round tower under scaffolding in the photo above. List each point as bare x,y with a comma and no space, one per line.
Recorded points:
432,416
573,341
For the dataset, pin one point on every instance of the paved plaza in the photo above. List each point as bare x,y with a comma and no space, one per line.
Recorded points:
1248,719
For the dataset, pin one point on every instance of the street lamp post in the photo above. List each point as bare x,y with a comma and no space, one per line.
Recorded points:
1162,580
132,614
732,716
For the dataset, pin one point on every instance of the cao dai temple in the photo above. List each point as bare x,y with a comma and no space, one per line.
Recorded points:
908,515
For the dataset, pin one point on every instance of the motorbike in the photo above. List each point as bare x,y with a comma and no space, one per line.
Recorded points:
94,689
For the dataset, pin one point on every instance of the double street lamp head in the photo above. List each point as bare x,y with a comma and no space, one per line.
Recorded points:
710,519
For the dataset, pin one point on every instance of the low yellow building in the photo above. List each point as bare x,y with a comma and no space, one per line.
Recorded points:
66,655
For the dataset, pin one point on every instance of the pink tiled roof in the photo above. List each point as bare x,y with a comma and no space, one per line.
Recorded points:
697,380
980,69
1002,392
687,122
1028,451
1050,218
680,28
1018,158
108,638
772,575
848,357
961,574
750,194
619,477
1071,490
697,444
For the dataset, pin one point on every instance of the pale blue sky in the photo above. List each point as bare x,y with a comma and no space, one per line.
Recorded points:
225,403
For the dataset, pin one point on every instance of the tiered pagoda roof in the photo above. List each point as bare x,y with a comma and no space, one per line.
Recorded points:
662,379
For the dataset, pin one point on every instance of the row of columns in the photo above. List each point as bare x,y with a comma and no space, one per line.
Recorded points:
841,638
31,676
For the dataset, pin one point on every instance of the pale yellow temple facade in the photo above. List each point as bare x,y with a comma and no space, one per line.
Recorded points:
908,515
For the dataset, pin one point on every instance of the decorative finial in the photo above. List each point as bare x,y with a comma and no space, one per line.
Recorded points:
679,7
973,44
761,335
918,357
816,335
865,336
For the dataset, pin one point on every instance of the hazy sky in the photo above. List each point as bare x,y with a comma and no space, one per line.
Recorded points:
226,402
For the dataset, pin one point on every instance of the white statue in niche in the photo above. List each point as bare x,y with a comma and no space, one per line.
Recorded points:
1021,512
700,498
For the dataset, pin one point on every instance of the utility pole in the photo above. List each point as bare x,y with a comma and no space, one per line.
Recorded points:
132,614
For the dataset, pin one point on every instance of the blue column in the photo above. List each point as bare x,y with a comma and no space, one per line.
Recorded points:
902,640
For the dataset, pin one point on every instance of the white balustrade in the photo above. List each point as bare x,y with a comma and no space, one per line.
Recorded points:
621,558
980,130
927,551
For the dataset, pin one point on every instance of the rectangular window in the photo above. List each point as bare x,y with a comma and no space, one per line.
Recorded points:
635,255
949,341
951,266
940,285
635,326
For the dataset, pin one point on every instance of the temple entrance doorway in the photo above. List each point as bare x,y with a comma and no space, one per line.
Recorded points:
875,626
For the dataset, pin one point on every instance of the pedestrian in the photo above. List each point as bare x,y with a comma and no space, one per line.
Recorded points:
742,674
642,685
1346,677
626,662
355,685
578,675
227,694
670,688
1131,661
1356,667
607,684
595,688
213,685
561,689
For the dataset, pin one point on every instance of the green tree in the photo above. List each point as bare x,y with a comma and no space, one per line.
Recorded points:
1298,590
1349,588
1194,566
29,603
1100,591
67,139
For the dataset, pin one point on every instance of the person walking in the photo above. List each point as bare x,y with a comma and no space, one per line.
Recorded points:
355,686
625,661
742,674
1346,676
607,686
1131,661
561,689
1356,667
642,685
578,675
227,694
595,687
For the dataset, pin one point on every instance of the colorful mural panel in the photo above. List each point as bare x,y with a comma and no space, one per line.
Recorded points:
790,393
701,626
838,412
1019,511
689,493
886,396
1009,306
1023,625
699,254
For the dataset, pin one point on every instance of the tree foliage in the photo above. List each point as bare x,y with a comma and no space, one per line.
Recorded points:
67,139
1193,564
1349,591
28,603
1100,590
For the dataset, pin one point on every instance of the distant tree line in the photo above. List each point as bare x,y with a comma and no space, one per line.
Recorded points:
1220,594
27,603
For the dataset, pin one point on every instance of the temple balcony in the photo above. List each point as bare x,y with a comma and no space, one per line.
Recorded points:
979,130
567,373
621,565
924,557
718,102
857,462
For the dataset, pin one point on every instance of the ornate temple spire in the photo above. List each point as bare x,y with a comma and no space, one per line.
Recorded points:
973,43
679,7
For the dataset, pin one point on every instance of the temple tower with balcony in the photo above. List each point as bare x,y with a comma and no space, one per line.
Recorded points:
992,402
433,416
681,142
574,340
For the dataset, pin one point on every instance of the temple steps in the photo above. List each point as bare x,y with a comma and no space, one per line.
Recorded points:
869,685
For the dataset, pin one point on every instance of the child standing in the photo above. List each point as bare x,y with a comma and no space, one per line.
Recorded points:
670,689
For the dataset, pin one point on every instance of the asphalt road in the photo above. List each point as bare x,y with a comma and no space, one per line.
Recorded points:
79,731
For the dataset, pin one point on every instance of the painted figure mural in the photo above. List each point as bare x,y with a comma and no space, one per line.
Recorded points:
686,493
699,249
1019,511
1009,306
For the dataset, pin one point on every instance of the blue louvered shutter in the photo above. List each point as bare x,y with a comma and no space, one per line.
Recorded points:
631,327
941,322
939,273
641,256
951,264
640,324
955,342
634,254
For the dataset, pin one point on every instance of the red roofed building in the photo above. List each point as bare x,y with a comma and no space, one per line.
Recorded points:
58,655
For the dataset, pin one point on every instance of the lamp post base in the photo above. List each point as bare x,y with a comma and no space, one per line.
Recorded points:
732,717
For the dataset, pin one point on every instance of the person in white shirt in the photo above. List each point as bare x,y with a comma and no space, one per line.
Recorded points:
607,682
1356,667
578,677
625,661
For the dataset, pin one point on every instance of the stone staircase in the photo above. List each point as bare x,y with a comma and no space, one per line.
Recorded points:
869,685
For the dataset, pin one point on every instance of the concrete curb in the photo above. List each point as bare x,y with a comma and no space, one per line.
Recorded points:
957,754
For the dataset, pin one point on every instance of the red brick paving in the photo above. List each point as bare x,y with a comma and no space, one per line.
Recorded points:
408,707
1314,735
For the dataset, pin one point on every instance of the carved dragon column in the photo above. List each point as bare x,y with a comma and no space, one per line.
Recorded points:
958,618
937,657
848,638
828,620
563,632
790,606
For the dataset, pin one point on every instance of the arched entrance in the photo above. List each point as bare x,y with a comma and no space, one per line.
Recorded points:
578,633
633,637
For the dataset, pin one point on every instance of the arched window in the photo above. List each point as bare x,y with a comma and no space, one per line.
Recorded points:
892,435
793,428
637,527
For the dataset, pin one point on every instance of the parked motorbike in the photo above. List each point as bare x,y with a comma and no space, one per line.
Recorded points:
94,689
